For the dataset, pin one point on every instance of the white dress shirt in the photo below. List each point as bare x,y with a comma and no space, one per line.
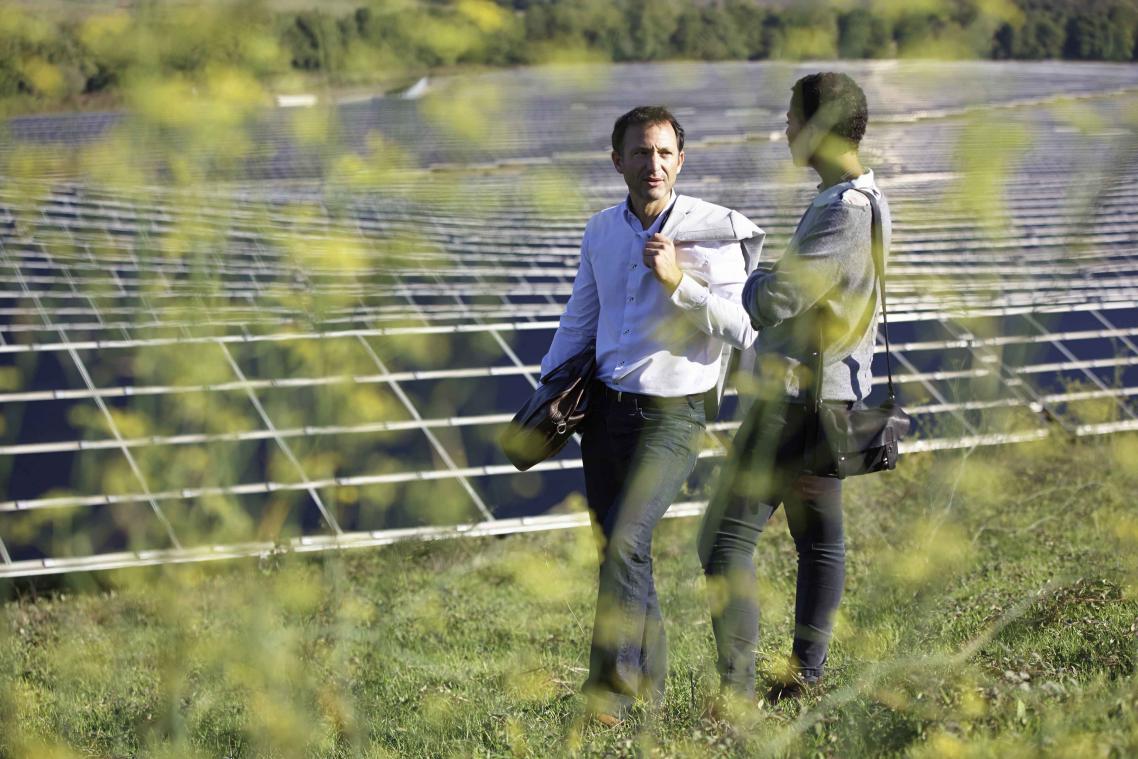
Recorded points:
647,341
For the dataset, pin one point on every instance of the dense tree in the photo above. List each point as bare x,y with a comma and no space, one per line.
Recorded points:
913,31
1086,30
42,61
315,41
862,34
1041,38
52,59
651,25
708,34
590,24
1093,35
749,19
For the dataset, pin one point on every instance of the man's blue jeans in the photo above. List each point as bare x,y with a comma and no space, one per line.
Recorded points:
637,454
764,469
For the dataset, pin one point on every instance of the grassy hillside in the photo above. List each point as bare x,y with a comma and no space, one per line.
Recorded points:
990,611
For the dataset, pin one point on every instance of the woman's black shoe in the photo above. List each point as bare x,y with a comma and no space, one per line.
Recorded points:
791,690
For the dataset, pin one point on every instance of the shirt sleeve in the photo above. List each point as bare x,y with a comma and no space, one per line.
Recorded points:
812,266
716,306
578,324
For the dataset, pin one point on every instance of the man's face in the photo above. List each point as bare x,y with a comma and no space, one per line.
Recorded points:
650,160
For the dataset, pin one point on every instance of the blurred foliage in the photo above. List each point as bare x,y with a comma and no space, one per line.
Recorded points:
53,58
418,651
986,158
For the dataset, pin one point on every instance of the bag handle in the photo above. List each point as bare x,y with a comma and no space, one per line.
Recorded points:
877,234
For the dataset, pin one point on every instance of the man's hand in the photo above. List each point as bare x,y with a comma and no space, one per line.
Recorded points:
660,258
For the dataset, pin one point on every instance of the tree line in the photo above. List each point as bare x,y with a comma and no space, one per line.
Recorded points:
58,60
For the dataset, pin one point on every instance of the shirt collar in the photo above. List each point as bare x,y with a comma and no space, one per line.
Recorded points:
864,182
657,225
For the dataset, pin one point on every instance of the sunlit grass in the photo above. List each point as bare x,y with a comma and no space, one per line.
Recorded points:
990,610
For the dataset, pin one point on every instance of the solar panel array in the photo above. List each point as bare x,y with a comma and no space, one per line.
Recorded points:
284,360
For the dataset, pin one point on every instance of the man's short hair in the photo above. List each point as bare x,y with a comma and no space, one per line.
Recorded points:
845,113
645,114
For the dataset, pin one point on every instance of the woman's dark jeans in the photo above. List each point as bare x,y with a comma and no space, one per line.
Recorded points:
764,469
637,454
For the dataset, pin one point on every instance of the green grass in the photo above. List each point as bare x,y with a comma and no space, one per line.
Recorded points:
990,610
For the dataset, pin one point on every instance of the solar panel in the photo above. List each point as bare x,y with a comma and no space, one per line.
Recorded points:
280,363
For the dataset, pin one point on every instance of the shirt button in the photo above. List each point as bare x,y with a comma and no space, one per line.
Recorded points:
630,299
627,331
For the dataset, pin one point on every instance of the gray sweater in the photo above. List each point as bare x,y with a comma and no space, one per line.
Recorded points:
826,273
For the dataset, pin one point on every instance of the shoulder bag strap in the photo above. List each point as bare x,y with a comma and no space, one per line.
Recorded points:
878,236
879,267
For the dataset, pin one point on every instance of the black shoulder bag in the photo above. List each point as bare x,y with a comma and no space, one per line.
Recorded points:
554,411
862,439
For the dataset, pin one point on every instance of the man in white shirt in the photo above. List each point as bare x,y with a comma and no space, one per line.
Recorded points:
659,291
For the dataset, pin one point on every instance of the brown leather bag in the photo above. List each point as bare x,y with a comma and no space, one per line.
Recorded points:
552,414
